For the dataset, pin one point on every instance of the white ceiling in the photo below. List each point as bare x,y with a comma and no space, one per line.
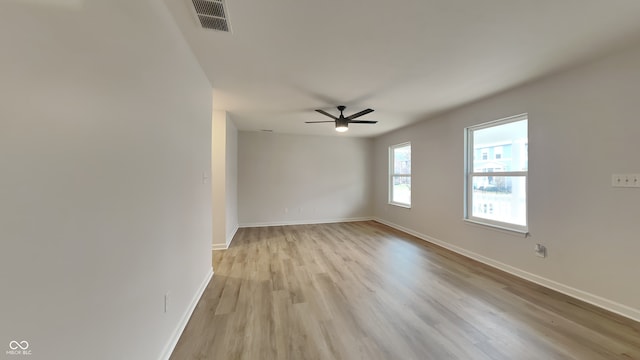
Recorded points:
407,59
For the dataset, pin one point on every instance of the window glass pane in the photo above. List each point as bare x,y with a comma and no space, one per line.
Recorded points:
500,198
401,190
501,148
402,160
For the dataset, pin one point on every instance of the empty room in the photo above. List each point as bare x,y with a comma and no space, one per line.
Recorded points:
223,179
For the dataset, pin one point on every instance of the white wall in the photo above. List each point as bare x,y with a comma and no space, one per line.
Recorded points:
231,175
224,184
287,179
219,178
104,136
583,126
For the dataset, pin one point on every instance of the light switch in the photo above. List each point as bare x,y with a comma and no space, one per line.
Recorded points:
616,180
625,180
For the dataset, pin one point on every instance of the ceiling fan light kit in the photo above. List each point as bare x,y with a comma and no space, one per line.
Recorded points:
342,122
342,125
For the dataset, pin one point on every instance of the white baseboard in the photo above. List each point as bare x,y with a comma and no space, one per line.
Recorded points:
596,300
219,246
173,341
230,237
226,245
304,222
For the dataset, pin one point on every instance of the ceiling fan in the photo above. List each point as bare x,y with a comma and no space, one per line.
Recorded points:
342,122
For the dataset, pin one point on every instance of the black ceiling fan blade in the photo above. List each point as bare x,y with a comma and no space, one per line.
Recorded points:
362,122
361,113
326,114
315,122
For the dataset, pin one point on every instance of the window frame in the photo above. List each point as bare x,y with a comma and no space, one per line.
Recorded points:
470,174
393,175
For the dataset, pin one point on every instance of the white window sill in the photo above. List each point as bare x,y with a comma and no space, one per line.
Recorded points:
406,206
502,229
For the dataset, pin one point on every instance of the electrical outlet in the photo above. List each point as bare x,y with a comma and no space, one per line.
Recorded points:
540,250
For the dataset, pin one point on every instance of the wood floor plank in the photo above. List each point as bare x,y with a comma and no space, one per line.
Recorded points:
362,290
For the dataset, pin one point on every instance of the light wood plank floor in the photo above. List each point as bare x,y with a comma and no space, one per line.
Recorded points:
365,291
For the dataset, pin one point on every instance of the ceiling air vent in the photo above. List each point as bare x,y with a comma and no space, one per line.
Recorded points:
212,14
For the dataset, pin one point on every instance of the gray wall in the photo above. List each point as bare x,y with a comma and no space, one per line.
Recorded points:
104,136
288,179
583,127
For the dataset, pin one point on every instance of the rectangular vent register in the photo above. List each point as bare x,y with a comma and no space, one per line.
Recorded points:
212,14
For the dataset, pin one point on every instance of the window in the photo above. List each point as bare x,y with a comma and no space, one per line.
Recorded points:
400,174
496,189
498,152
